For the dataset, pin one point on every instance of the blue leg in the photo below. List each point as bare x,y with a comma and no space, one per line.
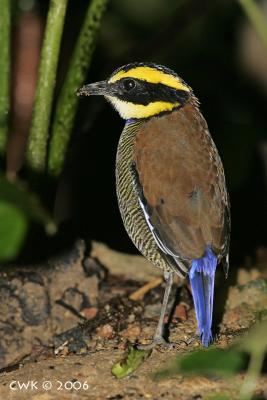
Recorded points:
201,275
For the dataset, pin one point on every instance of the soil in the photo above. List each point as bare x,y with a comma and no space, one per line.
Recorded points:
68,321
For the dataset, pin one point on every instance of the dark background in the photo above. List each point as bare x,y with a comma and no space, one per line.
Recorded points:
212,47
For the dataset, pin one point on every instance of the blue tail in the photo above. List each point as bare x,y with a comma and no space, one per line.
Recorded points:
201,275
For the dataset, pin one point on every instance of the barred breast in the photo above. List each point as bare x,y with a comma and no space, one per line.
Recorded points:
132,215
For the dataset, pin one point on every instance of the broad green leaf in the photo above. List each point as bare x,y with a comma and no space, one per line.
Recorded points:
13,228
17,208
209,362
133,360
27,202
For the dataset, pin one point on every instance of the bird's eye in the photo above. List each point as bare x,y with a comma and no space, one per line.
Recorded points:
129,84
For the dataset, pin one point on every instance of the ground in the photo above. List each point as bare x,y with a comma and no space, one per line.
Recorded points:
68,322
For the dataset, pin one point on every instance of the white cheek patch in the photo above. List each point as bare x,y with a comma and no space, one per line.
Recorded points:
125,109
128,110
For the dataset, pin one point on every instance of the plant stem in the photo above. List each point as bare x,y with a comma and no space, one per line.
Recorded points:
253,372
37,145
68,101
5,16
255,15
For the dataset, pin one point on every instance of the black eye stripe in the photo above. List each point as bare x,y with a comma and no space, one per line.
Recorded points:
146,92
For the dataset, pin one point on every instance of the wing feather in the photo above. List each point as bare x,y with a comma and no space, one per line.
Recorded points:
179,179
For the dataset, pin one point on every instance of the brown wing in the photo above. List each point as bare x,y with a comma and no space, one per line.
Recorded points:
181,184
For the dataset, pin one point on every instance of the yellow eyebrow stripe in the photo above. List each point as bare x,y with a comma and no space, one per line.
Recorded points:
151,75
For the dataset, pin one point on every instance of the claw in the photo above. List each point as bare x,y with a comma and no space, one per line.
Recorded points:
158,340
191,340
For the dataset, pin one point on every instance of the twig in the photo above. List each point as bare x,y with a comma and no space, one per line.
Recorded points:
140,293
256,17
5,7
68,101
37,145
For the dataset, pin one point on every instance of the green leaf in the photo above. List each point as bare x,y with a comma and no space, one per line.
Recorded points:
217,397
17,208
206,362
13,228
28,203
133,360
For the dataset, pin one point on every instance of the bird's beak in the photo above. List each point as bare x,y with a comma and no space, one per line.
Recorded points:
94,89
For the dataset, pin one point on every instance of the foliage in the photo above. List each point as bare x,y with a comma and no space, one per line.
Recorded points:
225,362
211,362
256,17
68,102
12,230
133,360
18,205
5,8
37,144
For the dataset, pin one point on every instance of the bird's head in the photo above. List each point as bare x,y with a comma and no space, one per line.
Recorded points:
141,90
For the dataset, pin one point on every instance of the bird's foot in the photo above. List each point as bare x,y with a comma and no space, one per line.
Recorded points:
157,340
191,340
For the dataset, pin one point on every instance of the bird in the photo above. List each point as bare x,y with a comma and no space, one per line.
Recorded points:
170,183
